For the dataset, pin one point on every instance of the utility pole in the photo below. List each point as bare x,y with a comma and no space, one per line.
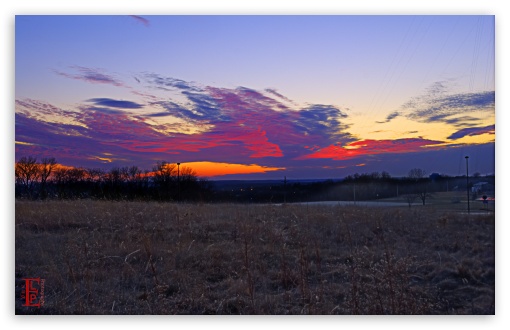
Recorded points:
178,183
467,181
285,190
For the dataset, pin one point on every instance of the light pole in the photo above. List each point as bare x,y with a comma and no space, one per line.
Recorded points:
467,181
285,190
178,183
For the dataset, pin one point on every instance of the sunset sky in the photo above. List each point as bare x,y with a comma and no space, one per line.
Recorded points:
258,97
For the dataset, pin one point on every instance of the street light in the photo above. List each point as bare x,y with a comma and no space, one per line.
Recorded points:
178,182
467,181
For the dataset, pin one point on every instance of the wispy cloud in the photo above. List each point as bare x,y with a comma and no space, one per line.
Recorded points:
140,19
472,131
322,124
101,109
168,83
115,103
280,96
90,75
441,109
463,121
439,105
391,116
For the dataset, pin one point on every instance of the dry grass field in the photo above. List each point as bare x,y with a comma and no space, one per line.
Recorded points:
161,258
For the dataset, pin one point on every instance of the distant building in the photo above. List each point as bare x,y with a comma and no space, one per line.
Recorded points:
478,187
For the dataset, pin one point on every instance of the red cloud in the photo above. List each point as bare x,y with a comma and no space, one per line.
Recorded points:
136,135
371,147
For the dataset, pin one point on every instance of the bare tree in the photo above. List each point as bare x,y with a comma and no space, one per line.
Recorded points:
419,176
135,174
46,168
114,181
164,175
163,172
423,195
416,174
134,181
27,172
69,181
410,199
95,175
187,174
95,178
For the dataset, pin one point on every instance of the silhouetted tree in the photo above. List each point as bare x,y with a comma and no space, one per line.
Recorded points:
134,182
421,183
27,172
46,168
114,182
410,198
165,175
135,174
188,182
70,182
187,174
95,179
416,174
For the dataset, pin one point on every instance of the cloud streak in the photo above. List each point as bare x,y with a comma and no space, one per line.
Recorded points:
372,147
390,117
140,19
90,75
437,105
106,102
168,83
472,131
444,108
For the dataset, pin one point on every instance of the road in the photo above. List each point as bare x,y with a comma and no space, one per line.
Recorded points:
350,203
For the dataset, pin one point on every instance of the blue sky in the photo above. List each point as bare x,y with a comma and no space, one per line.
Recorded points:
299,95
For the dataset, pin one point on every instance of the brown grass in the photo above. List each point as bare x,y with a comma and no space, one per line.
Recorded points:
160,258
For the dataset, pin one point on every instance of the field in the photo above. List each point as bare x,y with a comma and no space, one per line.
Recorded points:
99,257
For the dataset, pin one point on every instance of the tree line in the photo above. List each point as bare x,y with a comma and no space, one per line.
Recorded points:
169,182
165,182
415,187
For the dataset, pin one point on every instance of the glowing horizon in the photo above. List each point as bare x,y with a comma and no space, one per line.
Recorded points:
202,169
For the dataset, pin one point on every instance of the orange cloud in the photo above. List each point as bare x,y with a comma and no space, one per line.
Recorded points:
212,169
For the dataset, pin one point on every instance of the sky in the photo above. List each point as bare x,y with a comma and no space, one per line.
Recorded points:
258,96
